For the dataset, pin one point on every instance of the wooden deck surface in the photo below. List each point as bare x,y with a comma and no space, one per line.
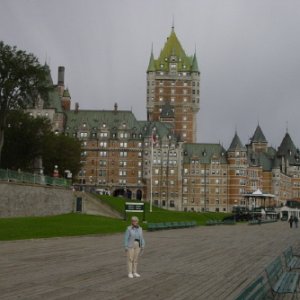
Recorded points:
200,263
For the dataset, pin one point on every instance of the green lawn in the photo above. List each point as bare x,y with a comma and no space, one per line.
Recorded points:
55,226
80,224
163,215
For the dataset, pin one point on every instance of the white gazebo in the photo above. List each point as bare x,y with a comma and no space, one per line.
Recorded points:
257,199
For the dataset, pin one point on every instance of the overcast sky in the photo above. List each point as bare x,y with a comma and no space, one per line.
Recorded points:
248,53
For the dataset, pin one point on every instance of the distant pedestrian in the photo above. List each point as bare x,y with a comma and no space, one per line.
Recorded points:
296,221
291,220
134,245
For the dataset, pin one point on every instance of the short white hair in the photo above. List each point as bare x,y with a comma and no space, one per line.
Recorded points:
134,218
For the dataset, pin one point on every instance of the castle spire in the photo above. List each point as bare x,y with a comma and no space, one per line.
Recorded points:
173,27
151,66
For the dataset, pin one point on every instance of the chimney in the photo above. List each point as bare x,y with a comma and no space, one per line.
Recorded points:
116,106
61,75
76,107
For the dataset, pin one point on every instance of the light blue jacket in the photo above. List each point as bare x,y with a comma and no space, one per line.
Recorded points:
131,234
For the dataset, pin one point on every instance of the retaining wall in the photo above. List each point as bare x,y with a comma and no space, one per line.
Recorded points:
18,200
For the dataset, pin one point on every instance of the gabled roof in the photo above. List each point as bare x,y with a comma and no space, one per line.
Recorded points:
287,146
236,144
66,93
258,136
173,48
203,152
167,111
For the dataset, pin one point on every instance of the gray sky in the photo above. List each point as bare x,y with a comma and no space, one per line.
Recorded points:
248,54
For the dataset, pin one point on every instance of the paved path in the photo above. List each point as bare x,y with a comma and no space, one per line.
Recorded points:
200,263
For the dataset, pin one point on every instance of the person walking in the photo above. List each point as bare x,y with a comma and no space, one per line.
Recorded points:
296,221
134,245
291,220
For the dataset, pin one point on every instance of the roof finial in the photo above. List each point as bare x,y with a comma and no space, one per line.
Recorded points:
152,48
173,23
235,129
287,127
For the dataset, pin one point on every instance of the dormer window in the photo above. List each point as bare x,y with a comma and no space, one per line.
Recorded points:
84,125
173,66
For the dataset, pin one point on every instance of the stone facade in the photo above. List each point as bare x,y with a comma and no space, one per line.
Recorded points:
158,159
19,200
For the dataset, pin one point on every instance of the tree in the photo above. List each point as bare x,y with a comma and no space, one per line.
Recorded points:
28,138
22,81
24,141
63,151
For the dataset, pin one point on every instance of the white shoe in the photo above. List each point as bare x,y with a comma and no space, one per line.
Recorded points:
130,275
136,275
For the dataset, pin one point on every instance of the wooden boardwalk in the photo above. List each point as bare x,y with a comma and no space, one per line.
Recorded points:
199,263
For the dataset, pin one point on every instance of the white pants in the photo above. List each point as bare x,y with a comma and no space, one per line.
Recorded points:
132,258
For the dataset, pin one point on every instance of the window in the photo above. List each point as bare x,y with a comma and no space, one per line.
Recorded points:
123,145
103,144
123,163
172,204
123,154
83,134
102,162
122,173
103,153
184,118
156,171
156,182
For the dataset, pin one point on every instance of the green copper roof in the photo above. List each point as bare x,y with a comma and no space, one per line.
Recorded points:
93,120
258,136
195,67
151,66
66,93
167,111
53,96
236,144
173,52
287,146
203,152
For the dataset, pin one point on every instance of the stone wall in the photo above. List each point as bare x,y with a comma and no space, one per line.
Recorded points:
18,200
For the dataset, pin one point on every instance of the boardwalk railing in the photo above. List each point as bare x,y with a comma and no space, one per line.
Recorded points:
23,177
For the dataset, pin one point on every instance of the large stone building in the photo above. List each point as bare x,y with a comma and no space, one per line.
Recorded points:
159,158
173,88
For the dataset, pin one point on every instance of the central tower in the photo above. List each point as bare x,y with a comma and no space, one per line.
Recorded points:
173,89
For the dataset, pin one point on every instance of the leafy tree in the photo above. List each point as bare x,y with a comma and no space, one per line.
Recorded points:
63,151
22,81
28,138
24,142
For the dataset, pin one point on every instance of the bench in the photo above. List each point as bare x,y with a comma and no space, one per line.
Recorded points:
170,225
257,290
214,222
291,260
259,222
281,282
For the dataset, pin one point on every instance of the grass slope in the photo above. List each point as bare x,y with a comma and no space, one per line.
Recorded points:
163,215
80,224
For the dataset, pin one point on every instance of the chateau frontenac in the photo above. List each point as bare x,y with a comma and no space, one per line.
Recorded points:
126,156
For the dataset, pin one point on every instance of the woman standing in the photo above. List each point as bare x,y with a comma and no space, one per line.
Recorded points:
134,243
